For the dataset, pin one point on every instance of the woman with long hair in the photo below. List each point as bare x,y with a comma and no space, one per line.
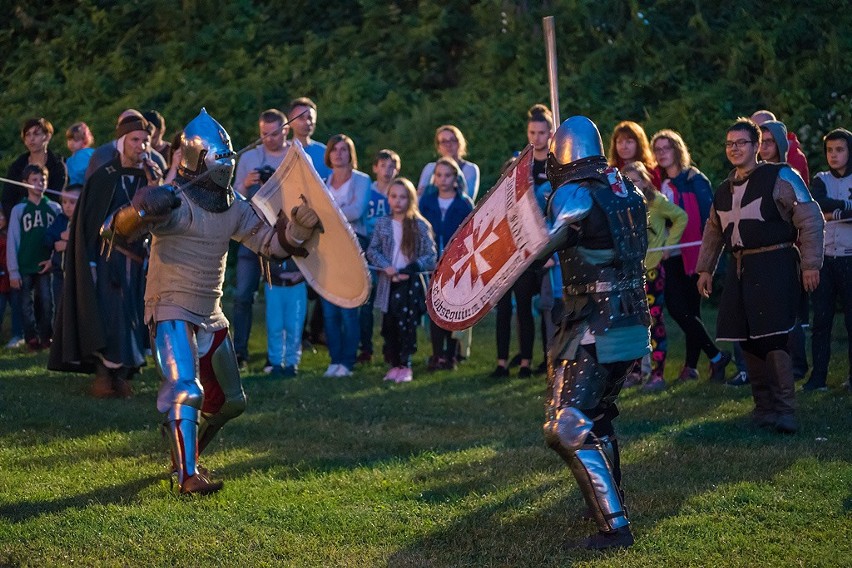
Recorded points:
661,212
691,191
629,143
402,246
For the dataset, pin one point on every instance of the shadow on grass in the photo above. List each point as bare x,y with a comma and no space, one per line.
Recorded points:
676,445
529,525
111,495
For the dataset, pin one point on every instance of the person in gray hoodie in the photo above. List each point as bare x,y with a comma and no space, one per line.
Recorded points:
773,144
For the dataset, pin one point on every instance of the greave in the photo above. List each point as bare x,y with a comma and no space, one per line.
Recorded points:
208,427
592,470
183,434
609,445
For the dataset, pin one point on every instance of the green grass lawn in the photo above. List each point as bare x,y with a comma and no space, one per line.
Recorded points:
450,470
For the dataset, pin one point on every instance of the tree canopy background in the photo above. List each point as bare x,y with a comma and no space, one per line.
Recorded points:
387,73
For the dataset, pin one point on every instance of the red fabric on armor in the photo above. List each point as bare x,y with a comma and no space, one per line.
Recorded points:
214,398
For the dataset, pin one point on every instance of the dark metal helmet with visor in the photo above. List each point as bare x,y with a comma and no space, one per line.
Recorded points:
576,150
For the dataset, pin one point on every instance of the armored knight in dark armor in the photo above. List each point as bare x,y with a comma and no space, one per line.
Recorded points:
599,228
201,388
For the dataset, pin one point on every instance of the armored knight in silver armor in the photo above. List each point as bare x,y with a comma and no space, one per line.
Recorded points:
598,222
201,388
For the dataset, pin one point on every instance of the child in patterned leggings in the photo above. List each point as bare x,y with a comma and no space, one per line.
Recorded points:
661,212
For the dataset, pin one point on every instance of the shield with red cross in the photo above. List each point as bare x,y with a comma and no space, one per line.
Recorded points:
489,251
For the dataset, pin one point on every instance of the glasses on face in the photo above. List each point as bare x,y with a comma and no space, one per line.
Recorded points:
662,149
737,144
767,142
447,141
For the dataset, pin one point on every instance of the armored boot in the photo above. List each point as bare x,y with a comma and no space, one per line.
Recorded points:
593,471
763,414
783,386
226,373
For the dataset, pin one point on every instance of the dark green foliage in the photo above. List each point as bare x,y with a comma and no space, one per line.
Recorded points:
388,73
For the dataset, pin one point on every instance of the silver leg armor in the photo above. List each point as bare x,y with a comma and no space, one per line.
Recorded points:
223,361
181,395
593,470
572,385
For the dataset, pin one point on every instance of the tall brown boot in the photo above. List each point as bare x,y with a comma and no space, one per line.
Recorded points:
763,414
121,382
783,386
102,385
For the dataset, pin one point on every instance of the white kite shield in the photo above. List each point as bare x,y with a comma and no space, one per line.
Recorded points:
500,239
335,266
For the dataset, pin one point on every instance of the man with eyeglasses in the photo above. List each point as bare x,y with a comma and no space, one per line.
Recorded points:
759,212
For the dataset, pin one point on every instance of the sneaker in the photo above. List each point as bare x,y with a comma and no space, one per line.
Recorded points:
404,375
289,371
364,357
633,379
392,374
655,384
738,380
524,373
499,372
542,368
448,364
515,361
688,374
268,367
343,371
717,369
242,363
619,538
332,370
15,343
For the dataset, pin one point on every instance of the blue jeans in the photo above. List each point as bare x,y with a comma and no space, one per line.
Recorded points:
342,331
285,319
248,277
835,279
36,291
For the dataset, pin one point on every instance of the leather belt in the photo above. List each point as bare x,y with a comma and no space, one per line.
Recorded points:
739,254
